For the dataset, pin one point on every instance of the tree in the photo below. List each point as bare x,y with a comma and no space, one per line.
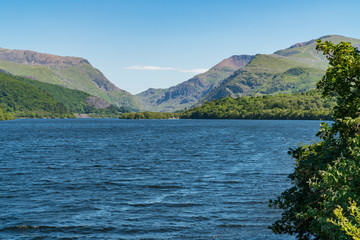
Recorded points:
5,116
327,172
350,226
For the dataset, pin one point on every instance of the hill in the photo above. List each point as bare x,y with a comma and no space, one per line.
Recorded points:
69,72
295,69
186,94
21,99
75,100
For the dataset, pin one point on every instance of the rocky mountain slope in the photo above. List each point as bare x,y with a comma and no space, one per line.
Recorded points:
188,93
70,72
295,69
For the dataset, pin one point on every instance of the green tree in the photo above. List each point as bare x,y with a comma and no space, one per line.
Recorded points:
350,225
327,173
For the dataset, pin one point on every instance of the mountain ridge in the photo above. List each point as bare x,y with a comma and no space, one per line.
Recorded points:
290,70
37,59
296,68
70,72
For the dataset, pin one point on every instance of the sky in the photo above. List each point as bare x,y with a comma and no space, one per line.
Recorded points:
141,44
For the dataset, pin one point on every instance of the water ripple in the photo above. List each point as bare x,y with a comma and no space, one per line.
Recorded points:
115,179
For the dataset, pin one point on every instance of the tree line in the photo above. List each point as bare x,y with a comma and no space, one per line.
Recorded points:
299,106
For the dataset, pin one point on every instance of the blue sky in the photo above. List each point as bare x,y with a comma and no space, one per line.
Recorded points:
140,44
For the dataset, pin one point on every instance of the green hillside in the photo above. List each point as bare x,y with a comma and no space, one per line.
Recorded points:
70,72
75,100
295,69
24,100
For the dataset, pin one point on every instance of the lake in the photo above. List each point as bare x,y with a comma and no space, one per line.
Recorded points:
144,179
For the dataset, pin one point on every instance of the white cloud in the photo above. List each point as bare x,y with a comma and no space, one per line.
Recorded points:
158,68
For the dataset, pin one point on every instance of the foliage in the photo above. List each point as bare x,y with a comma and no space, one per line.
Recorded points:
23,96
327,173
308,105
24,100
110,111
350,226
74,100
149,115
5,116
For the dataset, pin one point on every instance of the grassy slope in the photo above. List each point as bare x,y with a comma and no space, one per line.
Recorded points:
268,74
75,100
149,98
25,100
290,70
83,77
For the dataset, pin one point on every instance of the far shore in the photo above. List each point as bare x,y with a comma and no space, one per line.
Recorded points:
81,115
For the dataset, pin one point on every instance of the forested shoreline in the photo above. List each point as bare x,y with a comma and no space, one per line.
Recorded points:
297,106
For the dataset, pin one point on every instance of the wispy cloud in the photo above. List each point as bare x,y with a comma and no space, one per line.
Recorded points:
158,68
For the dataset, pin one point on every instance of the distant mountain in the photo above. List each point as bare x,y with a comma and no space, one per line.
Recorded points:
188,93
295,69
69,72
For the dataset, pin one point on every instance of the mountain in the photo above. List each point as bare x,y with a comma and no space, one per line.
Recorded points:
30,98
69,72
188,93
295,69
75,100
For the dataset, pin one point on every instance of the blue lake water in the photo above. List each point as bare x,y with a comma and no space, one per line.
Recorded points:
144,179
